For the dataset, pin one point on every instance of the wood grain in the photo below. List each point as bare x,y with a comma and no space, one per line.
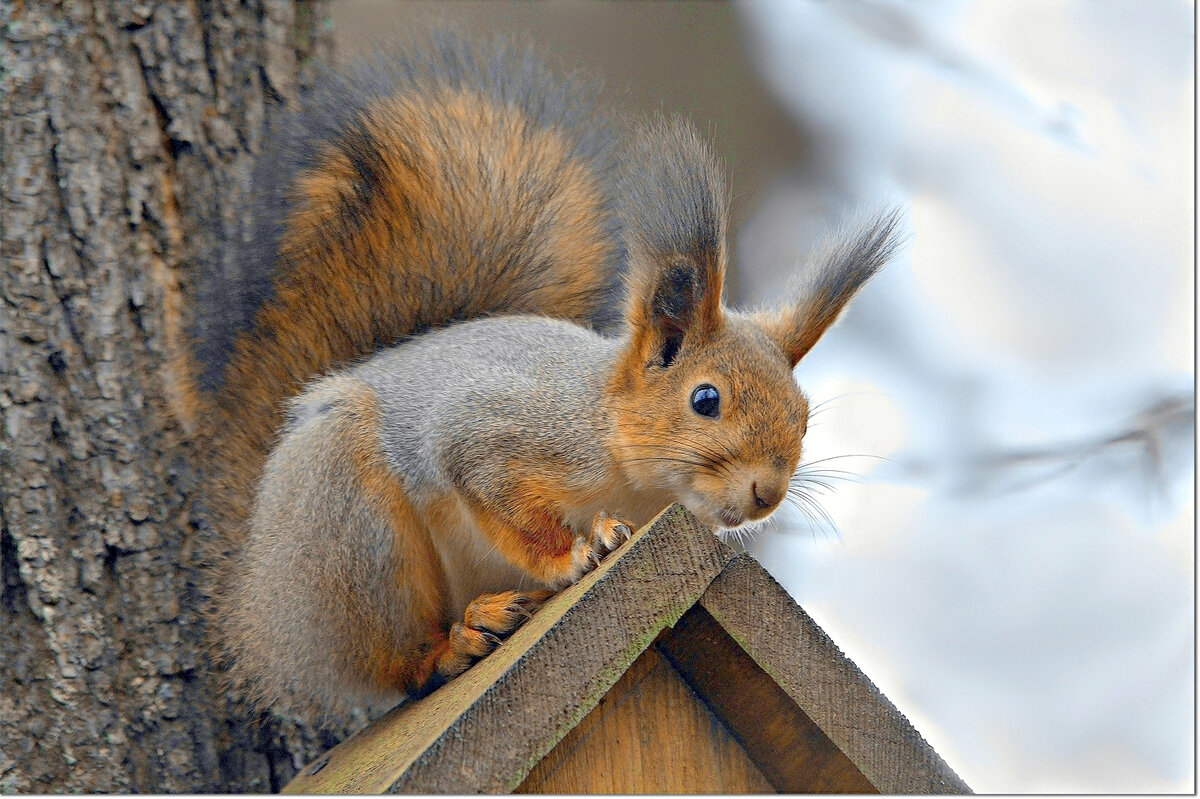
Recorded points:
788,748
485,730
797,654
649,734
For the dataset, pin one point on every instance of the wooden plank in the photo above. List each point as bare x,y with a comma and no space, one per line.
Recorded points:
788,748
649,734
485,730
797,654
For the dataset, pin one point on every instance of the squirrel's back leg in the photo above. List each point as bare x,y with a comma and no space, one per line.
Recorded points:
339,585
492,617
337,594
488,620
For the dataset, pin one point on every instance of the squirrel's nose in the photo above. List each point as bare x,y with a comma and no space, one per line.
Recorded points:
766,495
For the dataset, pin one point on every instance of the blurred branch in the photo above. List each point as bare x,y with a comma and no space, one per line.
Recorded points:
1148,436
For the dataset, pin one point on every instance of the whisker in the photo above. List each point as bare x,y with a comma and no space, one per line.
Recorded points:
720,453
721,448
697,464
825,402
718,460
708,463
723,460
485,555
838,474
743,534
815,482
838,457
816,514
828,522
811,522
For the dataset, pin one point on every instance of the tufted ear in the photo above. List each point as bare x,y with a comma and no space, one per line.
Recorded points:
822,290
675,217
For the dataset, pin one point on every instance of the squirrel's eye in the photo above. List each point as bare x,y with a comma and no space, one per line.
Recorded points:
706,401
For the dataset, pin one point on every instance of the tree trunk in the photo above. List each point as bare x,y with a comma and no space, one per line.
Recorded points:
129,130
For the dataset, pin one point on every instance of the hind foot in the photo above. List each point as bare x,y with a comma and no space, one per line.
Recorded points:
488,620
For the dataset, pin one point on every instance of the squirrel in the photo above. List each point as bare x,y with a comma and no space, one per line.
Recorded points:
480,341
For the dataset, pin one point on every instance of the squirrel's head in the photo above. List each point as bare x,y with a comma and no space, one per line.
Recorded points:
705,406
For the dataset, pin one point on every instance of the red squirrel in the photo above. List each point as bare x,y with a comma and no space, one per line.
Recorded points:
482,340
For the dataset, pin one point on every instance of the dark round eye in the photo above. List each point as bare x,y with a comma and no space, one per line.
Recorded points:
706,401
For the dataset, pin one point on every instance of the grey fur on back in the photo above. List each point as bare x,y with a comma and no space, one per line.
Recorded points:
454,399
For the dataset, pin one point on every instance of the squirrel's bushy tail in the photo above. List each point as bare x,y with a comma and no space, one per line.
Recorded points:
454,182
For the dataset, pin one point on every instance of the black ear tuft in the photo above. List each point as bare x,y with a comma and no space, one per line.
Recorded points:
821,291
674,305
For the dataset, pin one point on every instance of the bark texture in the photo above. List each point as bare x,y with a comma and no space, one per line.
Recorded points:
128,134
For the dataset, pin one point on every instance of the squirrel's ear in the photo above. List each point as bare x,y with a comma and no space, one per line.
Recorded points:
821,291
675,218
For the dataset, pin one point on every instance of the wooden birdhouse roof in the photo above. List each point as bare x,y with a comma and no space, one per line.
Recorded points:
676,666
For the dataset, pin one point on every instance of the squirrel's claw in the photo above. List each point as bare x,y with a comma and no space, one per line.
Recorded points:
500,614
608,532
488,620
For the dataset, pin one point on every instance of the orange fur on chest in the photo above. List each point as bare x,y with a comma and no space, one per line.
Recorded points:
530,530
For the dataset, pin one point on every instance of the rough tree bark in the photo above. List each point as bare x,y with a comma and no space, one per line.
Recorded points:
128,133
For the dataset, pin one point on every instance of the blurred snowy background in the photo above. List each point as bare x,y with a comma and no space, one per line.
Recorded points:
1013,564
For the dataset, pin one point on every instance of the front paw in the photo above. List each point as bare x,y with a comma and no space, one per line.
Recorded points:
608,532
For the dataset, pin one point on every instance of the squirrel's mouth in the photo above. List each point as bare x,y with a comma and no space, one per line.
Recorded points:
712,512
729,518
